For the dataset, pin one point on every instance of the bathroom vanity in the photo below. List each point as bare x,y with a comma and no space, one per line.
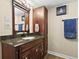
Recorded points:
19,48
28,47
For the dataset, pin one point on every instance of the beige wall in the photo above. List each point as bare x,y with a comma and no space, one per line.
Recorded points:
56,40
5,14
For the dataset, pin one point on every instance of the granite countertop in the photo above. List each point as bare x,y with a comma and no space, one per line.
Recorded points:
19,41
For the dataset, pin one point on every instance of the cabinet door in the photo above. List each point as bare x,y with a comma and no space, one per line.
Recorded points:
36,52
38,18
27,55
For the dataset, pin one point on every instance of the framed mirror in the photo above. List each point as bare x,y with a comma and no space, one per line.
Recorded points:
20,17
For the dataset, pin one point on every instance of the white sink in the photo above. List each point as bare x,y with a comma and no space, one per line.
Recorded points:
28,38
19,41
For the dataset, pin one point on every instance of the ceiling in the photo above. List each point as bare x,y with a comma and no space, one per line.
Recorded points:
18,12
36,3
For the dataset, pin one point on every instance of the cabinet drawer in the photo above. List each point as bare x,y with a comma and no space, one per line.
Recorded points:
26,55
29,45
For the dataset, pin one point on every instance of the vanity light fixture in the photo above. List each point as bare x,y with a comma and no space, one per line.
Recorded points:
25,3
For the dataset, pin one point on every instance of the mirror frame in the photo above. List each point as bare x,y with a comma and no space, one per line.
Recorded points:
13,19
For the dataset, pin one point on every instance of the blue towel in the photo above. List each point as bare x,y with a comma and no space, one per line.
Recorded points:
20,27
70,28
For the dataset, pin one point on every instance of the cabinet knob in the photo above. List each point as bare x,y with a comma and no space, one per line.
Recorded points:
26,58
36,50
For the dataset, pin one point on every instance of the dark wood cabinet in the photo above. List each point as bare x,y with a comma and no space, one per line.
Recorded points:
40,16
32,50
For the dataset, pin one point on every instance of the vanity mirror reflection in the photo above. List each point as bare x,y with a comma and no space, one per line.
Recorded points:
20,17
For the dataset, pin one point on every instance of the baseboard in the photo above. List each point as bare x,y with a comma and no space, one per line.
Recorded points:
61,55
